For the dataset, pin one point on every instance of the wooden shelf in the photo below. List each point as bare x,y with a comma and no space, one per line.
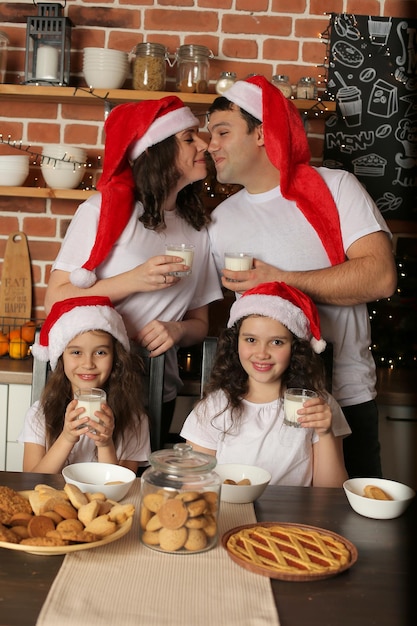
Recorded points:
46,192
196,101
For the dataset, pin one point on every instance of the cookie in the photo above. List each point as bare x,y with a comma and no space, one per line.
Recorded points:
196,540
44,542
172,540
151,537
196,522
153,501
197,507
73,525
376,493
66,510
101,526
39,525
173,514
12,502
6,534
75,495
121,512
154,523
88,512
20,519
79,536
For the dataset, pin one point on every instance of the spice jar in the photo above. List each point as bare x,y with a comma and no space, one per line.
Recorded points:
283,83
179,501
4,42
225,81
193,68
307,88
149,66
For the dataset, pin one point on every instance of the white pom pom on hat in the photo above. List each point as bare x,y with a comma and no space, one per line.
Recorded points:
288,305
72,317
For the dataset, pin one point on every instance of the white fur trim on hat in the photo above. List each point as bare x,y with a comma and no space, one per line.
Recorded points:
247,96
162,128
277,308
79,320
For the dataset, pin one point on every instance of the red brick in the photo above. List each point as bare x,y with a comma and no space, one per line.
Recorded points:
219,4
320,7
289,6
364,7
184,21
75,134
310,28
8,225
240,49
39,226
252,5
281,49
257,25
44,133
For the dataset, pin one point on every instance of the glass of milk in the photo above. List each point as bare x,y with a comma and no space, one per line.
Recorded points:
293,401
91,400
184,250
238,261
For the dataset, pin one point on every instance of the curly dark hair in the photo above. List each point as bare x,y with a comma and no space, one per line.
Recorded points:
124,389
156,173
306,369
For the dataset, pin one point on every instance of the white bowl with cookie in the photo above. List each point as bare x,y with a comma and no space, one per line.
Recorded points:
114,481
378,498
241,483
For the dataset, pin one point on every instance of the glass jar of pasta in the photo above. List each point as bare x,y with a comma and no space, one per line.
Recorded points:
149,66
193,64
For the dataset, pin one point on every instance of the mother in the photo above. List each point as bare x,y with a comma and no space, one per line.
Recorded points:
115,244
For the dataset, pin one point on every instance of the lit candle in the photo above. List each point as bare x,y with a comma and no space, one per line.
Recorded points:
47,62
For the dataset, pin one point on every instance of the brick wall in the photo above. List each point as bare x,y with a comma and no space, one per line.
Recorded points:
246,36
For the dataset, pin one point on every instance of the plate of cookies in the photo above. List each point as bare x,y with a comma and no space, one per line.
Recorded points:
288,551
51,521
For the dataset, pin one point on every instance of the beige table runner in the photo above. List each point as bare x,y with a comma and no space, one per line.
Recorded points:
128,584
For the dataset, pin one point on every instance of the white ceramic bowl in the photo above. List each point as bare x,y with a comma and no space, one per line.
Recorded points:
66,174
14,170
105,78
95,477
240,494
378,509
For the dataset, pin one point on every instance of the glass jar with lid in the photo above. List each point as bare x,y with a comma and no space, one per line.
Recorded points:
225,81
307,88
193,64
4,42
282,81
149,66
179,501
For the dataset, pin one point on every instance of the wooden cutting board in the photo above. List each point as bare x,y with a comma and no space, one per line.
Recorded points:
16,280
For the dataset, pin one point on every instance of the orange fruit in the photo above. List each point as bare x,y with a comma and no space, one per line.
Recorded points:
4,344
28,331
18,348
15,334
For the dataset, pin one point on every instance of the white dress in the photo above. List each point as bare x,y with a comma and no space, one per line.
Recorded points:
261,438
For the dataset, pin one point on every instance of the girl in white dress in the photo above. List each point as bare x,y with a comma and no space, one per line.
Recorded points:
272,343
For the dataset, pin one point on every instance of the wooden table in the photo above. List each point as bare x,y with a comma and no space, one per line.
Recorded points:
375,591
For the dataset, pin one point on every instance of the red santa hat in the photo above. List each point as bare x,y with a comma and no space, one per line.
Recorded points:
75,316
130,129
288,305
287,148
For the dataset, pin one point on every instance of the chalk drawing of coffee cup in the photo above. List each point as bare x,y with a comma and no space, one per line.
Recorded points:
350,104
379,30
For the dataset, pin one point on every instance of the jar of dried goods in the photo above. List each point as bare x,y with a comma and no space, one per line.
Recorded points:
225,81
149,66
283,83
179,501
193,64
307,88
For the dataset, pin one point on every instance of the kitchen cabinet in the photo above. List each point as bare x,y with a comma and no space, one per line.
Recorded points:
15,399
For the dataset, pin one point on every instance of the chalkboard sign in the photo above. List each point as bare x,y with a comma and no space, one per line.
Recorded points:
373,79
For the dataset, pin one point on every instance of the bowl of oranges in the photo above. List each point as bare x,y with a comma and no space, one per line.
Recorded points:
16,338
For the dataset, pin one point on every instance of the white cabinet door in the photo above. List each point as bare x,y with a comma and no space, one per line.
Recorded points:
18,404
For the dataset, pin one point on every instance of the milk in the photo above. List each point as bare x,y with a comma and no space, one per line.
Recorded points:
293,402
183,250
90,400
238,261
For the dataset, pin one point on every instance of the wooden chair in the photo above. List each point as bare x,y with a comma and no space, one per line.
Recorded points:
153,385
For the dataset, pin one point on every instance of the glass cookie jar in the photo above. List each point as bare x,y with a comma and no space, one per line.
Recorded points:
225,81
179,501
307,88
193,64
282,82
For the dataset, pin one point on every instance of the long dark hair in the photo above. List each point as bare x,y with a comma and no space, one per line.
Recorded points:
156,173
306,369
124,389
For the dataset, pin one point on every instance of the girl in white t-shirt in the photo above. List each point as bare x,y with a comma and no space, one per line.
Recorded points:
86,343
271,344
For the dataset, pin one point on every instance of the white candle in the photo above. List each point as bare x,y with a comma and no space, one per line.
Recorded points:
47,62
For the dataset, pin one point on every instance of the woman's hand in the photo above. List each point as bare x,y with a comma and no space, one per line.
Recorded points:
158,337
154,273
316,413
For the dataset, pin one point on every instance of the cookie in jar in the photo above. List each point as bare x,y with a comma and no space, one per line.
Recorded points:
179,501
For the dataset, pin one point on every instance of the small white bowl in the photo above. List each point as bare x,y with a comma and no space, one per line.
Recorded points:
240,494
105,79
378,509
95,477
14,170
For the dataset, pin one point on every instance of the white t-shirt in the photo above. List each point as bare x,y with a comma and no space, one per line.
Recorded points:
261,438
135,246
136,446
276,232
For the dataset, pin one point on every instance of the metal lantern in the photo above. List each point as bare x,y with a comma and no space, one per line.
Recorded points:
48,46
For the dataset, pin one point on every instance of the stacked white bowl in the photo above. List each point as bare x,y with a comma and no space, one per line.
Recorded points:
14,170
63,167
105,68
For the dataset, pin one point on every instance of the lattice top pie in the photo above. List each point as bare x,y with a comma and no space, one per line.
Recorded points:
289,549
